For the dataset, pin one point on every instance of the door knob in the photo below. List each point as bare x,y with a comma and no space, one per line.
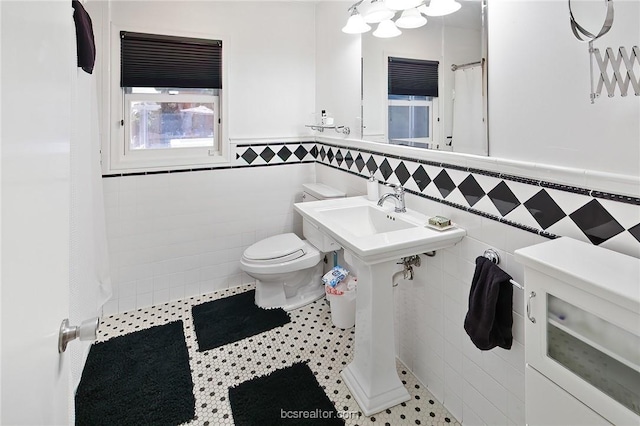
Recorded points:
88,330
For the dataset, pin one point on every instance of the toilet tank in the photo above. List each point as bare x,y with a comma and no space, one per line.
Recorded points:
320,191
317,192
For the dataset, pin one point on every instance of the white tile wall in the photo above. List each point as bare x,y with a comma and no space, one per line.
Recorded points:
478,387
182,234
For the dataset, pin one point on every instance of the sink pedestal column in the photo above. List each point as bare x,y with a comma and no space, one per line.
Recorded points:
371,376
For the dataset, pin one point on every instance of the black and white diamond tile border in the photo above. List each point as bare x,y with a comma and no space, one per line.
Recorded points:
533,205
545,208
310,337
275,153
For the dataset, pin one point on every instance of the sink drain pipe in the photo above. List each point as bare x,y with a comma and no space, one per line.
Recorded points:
407,271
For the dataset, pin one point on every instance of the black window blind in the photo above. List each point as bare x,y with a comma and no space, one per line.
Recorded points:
414,77
151,60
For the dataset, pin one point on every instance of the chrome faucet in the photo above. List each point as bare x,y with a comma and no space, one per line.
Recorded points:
397,196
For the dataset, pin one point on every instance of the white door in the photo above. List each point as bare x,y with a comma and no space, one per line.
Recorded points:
38,55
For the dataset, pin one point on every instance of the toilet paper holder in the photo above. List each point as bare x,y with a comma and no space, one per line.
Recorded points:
87,330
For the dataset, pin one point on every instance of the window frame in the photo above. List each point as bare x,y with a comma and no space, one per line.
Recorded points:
430,102
175,152
116,158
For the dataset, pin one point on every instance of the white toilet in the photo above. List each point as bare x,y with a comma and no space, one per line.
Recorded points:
288,270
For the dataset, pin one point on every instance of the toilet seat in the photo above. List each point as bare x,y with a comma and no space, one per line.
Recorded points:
276,249
299,258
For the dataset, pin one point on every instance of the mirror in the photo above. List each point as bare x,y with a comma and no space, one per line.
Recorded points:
455,119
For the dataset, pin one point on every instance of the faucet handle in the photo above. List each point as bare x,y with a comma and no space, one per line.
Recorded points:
399,189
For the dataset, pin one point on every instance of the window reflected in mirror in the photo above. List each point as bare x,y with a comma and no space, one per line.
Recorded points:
410,120
412,89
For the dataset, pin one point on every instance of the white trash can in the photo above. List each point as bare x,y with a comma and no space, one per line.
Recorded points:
343,309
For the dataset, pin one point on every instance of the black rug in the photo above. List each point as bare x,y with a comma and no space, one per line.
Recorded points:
142,378
233,318
290,396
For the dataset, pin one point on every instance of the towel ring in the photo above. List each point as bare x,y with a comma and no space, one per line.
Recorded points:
492,255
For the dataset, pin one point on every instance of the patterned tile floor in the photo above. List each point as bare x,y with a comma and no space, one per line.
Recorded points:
310,336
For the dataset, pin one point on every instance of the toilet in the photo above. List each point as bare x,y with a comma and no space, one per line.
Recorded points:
287,269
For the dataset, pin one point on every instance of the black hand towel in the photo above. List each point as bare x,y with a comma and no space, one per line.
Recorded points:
85,43
490,318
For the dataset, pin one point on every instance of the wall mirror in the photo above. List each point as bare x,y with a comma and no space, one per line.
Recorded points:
451,118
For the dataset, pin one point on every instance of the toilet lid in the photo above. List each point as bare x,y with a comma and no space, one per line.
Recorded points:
283,246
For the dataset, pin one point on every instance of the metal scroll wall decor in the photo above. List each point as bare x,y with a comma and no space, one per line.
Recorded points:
620,65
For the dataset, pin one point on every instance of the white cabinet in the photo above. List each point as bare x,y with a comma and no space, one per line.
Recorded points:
582,335
549,404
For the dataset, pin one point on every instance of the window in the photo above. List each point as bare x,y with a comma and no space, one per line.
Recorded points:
410,120
412,97
170,102
161,119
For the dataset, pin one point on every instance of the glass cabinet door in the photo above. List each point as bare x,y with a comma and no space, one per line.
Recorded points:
599,352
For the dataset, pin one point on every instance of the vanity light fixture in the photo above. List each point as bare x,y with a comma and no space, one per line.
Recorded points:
402,4
387,29
440,7
377,11
411,18
356,24
383,12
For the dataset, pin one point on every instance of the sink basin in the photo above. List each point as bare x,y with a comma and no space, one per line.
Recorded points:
374,233
366,220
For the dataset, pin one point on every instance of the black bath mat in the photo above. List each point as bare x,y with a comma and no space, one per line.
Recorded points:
233,318
290,396
142,378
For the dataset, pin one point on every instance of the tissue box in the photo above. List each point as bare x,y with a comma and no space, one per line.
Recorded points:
439,221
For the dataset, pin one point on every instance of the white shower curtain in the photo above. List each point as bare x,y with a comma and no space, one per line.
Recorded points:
468,133
89,281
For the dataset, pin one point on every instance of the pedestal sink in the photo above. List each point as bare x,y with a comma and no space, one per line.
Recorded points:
374,238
